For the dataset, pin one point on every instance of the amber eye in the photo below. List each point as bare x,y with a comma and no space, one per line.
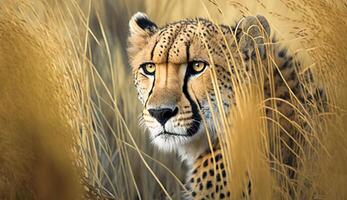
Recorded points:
197,66
148,68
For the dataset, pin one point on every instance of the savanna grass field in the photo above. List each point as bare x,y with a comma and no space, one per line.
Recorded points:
69,112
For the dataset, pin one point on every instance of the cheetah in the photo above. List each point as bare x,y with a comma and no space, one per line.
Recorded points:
172,68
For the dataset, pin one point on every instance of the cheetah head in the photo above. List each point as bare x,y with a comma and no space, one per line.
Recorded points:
173,68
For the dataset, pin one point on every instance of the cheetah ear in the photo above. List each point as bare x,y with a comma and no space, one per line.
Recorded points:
141,25
255,31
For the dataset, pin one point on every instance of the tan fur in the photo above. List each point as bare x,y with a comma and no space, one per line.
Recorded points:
231,53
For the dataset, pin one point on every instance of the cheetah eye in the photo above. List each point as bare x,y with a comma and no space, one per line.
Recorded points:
196,67
148,68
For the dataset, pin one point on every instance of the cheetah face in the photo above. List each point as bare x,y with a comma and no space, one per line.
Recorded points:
171,97
173,68
172,71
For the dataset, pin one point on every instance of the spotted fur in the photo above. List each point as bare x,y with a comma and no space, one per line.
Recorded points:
230,51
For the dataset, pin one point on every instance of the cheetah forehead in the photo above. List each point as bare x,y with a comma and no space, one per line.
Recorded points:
185,40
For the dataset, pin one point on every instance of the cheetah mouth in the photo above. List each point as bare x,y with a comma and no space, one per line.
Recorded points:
170,134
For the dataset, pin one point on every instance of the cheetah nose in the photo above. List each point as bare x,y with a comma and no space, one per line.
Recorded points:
162,115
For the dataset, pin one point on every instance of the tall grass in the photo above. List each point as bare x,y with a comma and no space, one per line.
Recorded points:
39,107
69,107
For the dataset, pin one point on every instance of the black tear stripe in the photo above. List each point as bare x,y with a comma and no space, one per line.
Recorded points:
193,129
150,92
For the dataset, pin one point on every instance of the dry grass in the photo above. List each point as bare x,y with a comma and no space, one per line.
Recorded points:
67,95
38,110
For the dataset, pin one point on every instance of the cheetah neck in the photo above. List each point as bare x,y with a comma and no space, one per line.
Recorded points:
194,149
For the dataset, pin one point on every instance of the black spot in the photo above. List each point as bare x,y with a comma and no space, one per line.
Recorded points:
195,170
211,172
205,163
217,188
209,185
222,165
218,157
212,195
192,180
193,194
201,186
224,174
218,177
221,195
282,53
228,194
204,174
287,63
198,180
285,95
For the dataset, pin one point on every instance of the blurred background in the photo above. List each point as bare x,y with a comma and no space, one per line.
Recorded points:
65,63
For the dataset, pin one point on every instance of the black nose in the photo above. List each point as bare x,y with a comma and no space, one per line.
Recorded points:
162,115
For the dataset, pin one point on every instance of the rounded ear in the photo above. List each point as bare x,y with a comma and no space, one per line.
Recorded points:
255,30
140,24
264,24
